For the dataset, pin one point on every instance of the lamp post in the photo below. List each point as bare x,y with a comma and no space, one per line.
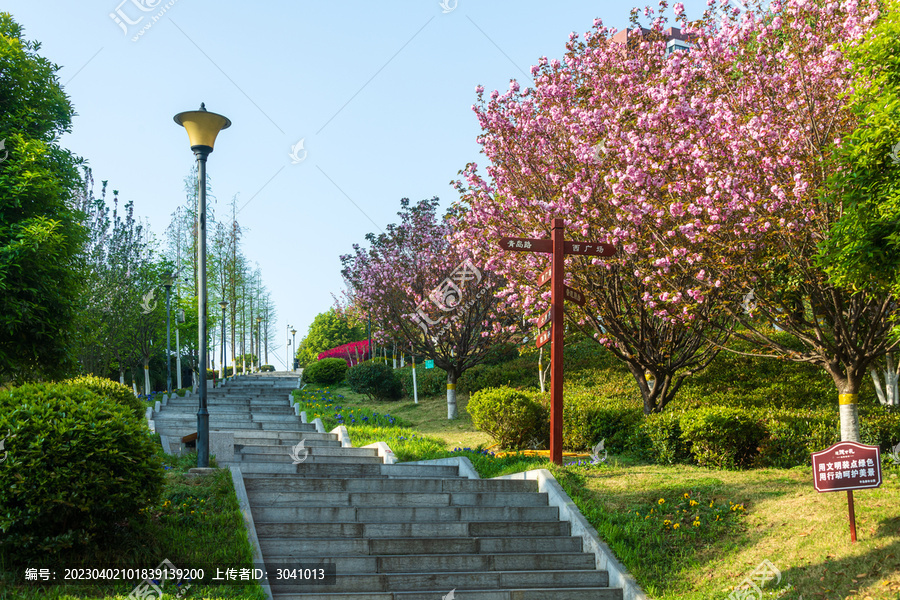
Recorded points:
168,280
223,305
294,347
258,345
202,128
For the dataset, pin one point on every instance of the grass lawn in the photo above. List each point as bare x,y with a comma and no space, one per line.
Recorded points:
428,417
805,534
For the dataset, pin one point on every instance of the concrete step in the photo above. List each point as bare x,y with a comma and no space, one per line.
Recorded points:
313,450
425,563
399,499
388,514
480,580
319,547
282,437
308,484
468,594
321,470
269,458
412,530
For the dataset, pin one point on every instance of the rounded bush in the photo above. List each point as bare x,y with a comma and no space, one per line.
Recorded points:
76,463
267,368
723,437
514,418
587,419
327,371
376,380
111,390
663,433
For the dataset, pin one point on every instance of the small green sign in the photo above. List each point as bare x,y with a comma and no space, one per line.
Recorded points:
429,364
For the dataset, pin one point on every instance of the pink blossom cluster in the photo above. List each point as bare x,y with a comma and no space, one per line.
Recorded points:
694,164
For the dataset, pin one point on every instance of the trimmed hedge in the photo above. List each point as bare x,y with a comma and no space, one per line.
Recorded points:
374,379
111,390
327,371
76,464
516,419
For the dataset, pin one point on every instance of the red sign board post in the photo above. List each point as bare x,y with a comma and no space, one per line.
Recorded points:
847,466
557,247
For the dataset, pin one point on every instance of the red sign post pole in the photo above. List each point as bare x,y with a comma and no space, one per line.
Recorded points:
557,298
557,247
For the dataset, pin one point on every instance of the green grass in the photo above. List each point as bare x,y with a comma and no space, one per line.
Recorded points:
197,523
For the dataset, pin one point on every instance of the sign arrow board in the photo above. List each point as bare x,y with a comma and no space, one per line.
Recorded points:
544,278
526,244
589,248
543,319
574,296
543,338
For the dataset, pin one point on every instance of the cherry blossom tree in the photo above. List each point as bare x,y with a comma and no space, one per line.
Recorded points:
708,168
427,293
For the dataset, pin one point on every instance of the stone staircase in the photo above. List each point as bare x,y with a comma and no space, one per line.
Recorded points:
391,531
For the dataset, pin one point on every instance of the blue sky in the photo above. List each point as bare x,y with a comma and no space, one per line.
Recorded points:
379,92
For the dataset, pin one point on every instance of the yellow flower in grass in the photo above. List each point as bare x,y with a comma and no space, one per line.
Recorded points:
667,522
696,523
694,503
687,495
661,501
676,525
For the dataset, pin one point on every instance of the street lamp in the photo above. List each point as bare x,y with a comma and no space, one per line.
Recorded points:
258,344
223,305
168,281
202,128
294,347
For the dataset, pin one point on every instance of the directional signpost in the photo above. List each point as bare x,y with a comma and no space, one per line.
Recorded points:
847,466
557,247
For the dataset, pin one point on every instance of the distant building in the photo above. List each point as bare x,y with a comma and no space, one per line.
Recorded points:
675,40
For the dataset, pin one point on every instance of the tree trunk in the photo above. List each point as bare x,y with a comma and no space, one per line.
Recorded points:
848,394
452,412
146,375
122,376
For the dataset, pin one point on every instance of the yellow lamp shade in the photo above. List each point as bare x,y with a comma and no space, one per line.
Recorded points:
202,126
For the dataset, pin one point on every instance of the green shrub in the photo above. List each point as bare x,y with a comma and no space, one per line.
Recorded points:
515,419
519,373
430,382
212,374
327,371
663,433
77,463
376,380
267,368
880,427
723,437
793,435
587,419
111,390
